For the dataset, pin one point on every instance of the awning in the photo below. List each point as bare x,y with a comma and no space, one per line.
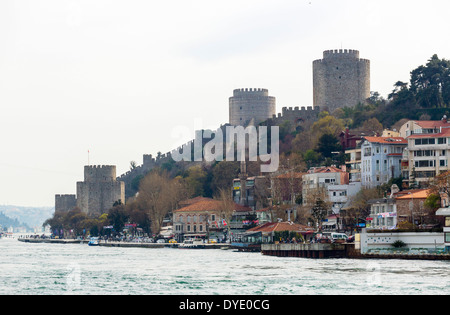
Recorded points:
194,235
443,212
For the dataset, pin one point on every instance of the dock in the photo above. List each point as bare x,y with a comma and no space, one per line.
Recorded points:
118,244
316,250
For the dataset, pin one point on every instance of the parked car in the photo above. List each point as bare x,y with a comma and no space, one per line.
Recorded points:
339,237
161,241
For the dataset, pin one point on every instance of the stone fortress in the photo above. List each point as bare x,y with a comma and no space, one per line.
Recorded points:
340,79
251,106
96,194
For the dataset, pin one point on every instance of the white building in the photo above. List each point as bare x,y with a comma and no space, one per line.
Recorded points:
381,159
427,155
340,195
318,179
383,214
446,213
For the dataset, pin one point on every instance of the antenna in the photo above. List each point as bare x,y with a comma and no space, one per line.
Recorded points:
88,159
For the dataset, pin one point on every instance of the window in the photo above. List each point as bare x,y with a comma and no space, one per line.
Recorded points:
425,141
443,163
447,221
447,237
425,163
442,140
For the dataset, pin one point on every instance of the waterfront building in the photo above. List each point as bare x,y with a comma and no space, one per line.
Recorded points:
400,206
206,218
381,159
445,212
383,214
410,206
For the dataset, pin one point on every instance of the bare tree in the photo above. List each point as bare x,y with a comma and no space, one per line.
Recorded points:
227,206
160,195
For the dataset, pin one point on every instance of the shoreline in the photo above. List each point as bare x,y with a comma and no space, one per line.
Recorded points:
118,244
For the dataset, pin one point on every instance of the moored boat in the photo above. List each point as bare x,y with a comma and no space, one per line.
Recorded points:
94,241
192,244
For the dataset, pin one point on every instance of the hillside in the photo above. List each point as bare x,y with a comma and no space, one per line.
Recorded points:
30,216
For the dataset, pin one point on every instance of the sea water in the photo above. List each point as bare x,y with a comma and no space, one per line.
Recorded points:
55,269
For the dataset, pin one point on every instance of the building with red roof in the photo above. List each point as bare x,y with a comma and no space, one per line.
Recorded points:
205,217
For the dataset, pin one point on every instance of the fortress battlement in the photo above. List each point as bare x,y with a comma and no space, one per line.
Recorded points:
302,109
338,54
296,114
341,53
99,173
250,91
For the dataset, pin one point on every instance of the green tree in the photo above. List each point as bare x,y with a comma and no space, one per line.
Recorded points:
118,217
328,144
196,179
431,83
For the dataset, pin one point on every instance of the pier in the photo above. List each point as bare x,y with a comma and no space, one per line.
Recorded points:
118,244
316,250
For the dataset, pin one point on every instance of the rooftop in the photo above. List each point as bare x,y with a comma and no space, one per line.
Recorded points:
280,227
415,194
202,204
444,132
432,124
387,140
325,169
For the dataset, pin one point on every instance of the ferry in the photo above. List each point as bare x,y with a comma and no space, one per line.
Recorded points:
94,241
192,244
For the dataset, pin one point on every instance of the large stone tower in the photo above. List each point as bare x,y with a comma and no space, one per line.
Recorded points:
340,79
100,190
251,106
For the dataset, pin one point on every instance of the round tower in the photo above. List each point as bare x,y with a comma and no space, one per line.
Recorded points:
340,79
251,106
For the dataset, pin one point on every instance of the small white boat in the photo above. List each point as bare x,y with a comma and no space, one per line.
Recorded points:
94,241
192,244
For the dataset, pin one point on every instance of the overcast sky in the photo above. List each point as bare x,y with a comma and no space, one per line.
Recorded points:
118,77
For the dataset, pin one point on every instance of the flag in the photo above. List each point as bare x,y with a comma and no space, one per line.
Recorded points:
224,223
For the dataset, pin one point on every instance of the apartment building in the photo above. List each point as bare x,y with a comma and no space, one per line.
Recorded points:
426,157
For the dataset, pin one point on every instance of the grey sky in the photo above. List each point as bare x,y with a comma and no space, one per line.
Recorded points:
117,77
